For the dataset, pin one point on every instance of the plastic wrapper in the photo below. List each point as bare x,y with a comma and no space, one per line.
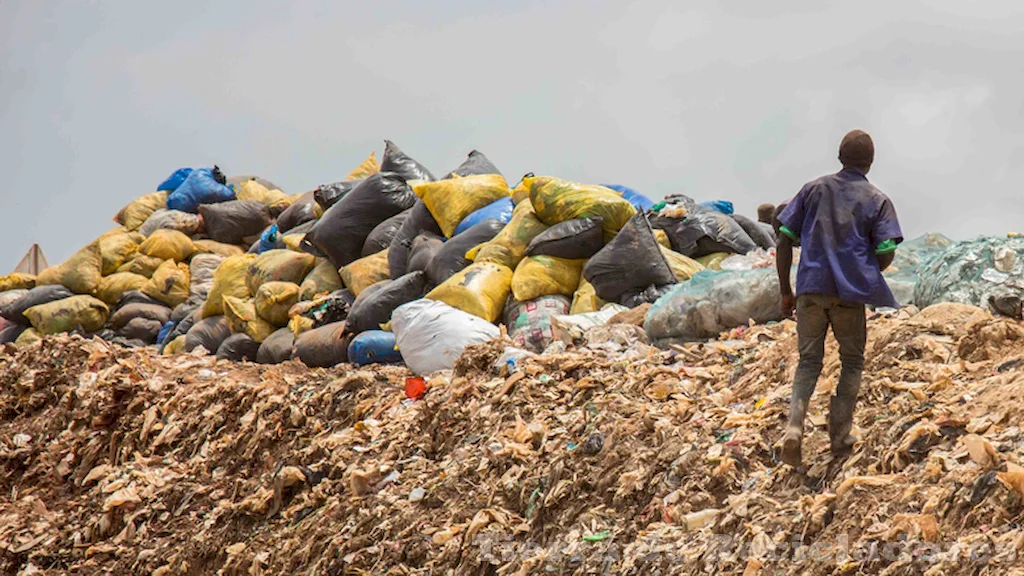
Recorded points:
703,232
972,272
556,201
529,323
480,289
431,335
374,305
572,327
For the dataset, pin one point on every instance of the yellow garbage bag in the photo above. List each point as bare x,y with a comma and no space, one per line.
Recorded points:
683,267
293,241
168,244
280,205
218,248
300,324
279,266
141,265
176,346
112,287
27,337
68,314
229,279
242,319
713,261
538,276
116,249
134,215
17,281
585,299
169,284
253,190
369,167
365,272
480,289
556,200
323,279
520,192
509,246
81,273
274,299
449,201
662,238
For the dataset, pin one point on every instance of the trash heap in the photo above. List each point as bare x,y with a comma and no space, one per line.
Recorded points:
608,456
389,265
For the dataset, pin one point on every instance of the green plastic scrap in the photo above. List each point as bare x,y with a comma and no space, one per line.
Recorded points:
598,537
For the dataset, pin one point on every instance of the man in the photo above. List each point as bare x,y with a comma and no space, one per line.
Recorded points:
766,214
848,234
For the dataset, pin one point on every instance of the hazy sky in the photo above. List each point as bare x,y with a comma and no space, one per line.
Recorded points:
99,101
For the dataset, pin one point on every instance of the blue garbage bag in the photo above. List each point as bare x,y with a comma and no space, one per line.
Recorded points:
268,240
499,210
199,188
638,200
165,331
174,180
374,347
723,206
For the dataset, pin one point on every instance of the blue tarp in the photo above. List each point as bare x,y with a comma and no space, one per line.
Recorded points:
174,180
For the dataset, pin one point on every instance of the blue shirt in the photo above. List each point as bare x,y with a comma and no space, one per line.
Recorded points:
841,220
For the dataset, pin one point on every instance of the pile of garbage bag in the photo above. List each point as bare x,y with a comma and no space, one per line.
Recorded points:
986,272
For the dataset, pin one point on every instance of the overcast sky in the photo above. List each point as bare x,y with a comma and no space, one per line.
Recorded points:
99,101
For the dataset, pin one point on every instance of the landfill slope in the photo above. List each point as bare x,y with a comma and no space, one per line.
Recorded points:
610,457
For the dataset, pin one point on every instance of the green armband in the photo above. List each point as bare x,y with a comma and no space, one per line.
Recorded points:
886,247
793,236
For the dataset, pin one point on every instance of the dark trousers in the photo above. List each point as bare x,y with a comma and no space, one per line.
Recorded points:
814,314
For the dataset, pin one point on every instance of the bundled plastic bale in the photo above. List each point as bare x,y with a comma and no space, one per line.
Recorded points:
480,289
68,314
17,281
396,161
322,279
169,284
112,287
529,323
451,201
639,201
585,299
713,302
374,347
168,245
501,209
203,186
11,296
116,248
327,195
238,347
125,314
235,221
243,319
9,331
474,164
368,167
631,261
164,219
509,246
274,299
538,276
15,311
141,264
762,236
373,307
209,333
254,190
29,336
382,235
365,272
572,239
419,221
277,348
135,214
142,329
713,261
451,258
219,248
556,200
424,248
431,335
683,268
278,266
300,210
977,272
343,229
322,347
912,255
81,273
175,346
704,232
174,180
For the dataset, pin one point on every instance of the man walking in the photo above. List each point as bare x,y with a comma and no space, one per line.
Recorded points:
848,232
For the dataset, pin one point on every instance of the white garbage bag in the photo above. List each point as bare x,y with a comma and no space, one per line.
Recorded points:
431,335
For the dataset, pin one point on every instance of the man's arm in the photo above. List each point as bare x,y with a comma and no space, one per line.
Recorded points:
783,264
884,260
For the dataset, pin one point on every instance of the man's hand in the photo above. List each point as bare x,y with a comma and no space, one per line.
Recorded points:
783,263
788,305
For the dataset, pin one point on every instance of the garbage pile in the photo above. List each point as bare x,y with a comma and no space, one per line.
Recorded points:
610,456
336,274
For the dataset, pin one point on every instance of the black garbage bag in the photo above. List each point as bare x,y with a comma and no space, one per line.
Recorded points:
632,261
424,248
140,328
323,347
761,235
136,297
238,347
342,230
648,295
704,232
573,239
476,163
277,347
209,333
334,308
451,258
302,210
184,310
394,160
122,316
327,195
10,332
180,329
15,311
374,305
419,221
381,236
234,221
